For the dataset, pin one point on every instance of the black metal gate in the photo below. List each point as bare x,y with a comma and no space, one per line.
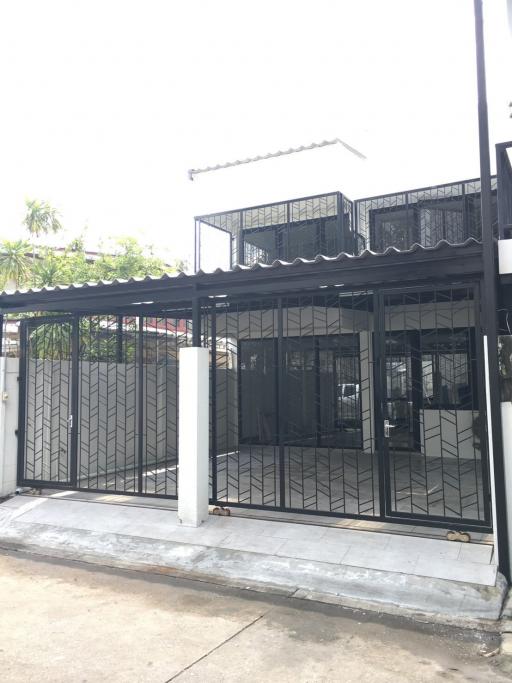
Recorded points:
359,403
99,403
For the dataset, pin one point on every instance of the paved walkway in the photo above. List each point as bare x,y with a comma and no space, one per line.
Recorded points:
448,580
72,622
427,557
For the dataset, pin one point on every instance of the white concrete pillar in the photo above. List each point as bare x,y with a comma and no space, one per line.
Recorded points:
506,430
193,440
9,371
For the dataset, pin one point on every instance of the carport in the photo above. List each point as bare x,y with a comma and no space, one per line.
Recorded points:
349,386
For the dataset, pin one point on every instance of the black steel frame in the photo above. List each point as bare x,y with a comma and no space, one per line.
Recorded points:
275,497
356,228
282,218
204,331
110,412
409,201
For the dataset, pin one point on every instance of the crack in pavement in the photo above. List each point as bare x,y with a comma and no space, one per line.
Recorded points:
217,647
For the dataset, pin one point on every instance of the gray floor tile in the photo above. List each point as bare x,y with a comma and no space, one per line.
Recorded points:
474,552
254,544
311,550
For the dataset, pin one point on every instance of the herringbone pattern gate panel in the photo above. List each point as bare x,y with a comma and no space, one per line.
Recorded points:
163,338
330,463
101,402
292,387
244,451
437,461
107,430
48,402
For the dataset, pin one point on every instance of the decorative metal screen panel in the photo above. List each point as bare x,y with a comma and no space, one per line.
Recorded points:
47,410
436,459
330,462
425,216
107,403
101,402
292,387
351,403
245,466
299,228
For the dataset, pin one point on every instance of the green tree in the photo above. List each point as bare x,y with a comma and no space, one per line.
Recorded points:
14,262
41,218
122,258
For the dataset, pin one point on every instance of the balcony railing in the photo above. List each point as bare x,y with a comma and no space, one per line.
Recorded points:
329,224
423,216
306,227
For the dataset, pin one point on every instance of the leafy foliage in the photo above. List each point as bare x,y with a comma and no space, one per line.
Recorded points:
26,265
15,264
41,218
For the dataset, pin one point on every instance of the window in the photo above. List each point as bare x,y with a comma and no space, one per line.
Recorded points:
447,374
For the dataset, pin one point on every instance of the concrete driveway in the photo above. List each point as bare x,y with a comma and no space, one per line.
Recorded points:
73,622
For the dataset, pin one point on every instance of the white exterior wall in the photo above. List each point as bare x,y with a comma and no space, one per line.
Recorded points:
9,371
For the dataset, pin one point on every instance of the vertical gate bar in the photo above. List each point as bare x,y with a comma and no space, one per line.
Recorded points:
140,403
481,406
22,379
379,393
318,411
196,321
2,320
340,224
119,339
280,400
241,243
416,385
213,366
75,377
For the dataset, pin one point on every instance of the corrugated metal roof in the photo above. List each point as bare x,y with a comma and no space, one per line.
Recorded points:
272,155
366,255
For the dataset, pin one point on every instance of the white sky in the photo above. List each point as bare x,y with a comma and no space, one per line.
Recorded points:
106,104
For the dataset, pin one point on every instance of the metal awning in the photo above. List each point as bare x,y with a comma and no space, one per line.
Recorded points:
137,296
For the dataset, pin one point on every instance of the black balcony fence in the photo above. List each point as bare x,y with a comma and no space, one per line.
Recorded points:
329,224
424,216
306,227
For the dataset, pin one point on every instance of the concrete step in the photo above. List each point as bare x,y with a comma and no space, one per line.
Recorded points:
305,561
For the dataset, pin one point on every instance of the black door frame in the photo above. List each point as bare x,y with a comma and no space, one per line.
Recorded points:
380,398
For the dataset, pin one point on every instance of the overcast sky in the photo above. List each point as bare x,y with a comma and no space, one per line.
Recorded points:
106,104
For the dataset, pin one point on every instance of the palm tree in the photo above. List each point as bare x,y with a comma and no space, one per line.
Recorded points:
41,219
14,262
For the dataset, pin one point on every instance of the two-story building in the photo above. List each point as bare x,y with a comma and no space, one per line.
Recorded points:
348,366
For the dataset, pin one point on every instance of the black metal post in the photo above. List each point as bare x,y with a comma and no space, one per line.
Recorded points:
2,319
490,300
318,395
20,470
340,224
280,402
214,398
140,404
119,339
75,378
196,322
240,257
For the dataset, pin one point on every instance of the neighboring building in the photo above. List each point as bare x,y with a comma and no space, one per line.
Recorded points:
347,372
